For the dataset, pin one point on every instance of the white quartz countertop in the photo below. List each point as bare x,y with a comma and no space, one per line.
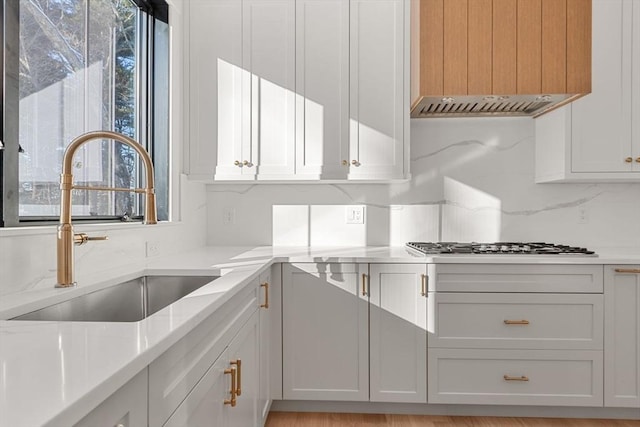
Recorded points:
54,373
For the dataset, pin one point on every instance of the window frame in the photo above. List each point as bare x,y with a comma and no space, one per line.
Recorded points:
152,12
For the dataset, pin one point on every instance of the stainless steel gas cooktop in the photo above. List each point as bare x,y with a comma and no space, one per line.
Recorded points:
498,248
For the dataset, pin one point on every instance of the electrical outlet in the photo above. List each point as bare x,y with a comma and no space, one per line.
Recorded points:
355,215
228,216
152,249
583,215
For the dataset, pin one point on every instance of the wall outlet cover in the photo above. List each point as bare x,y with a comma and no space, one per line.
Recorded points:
355,215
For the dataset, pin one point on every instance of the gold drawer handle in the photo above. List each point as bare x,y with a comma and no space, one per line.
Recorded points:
628,159
231,371
265,285
364,285
522,378
628,270
516,322
238,363
423,291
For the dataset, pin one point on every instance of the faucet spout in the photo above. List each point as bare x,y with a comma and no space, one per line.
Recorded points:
66,238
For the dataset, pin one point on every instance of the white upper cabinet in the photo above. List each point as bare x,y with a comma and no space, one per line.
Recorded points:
298,90
596,138
215,87
269,57
379,110
322,87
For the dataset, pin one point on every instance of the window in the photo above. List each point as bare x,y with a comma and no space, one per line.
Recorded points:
73,66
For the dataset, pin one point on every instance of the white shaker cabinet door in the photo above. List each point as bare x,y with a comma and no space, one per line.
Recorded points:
398,333
216,96
322,87
622,336
268,311
325,332
269,55
601,121
205,405
244,354
379,110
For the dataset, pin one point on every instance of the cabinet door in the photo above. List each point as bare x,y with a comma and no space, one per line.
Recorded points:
322,87
243,352
267,314
622,336
205,404
127,407
269,54
601,122
325,332
398,333
215,89
378,105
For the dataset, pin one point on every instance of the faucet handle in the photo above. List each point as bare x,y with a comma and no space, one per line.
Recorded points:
82,238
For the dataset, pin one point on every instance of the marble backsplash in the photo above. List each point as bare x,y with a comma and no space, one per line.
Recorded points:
472,180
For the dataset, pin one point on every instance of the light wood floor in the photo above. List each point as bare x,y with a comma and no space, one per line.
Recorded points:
312,419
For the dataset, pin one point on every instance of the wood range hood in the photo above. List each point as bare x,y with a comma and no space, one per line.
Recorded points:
498,57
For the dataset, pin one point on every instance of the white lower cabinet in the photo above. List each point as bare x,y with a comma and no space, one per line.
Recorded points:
244,355
226,396
354,332
127,407
622,336
325,332
205,405
522,345
397,333
266,314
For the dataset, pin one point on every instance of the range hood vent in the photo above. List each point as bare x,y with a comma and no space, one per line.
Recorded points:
478,106
498,57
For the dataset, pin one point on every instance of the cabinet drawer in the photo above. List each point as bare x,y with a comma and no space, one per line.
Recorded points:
533,321
490,377
178,370
550,278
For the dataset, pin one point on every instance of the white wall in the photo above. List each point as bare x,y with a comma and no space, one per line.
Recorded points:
477,172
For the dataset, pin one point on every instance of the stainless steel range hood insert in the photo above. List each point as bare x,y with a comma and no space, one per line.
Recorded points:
490,105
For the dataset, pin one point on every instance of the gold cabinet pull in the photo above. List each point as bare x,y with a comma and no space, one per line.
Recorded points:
629,159
364,285
521,378
245,163
423,290
345,163
637,159
237,163
238,363
628,270
265,285
516,322
355,163
231,371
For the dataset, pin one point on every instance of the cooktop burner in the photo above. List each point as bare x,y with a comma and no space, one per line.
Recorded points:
499,248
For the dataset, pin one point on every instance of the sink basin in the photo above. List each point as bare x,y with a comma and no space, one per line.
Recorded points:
129,301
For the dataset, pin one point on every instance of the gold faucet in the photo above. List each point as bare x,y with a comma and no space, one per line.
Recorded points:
66,237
